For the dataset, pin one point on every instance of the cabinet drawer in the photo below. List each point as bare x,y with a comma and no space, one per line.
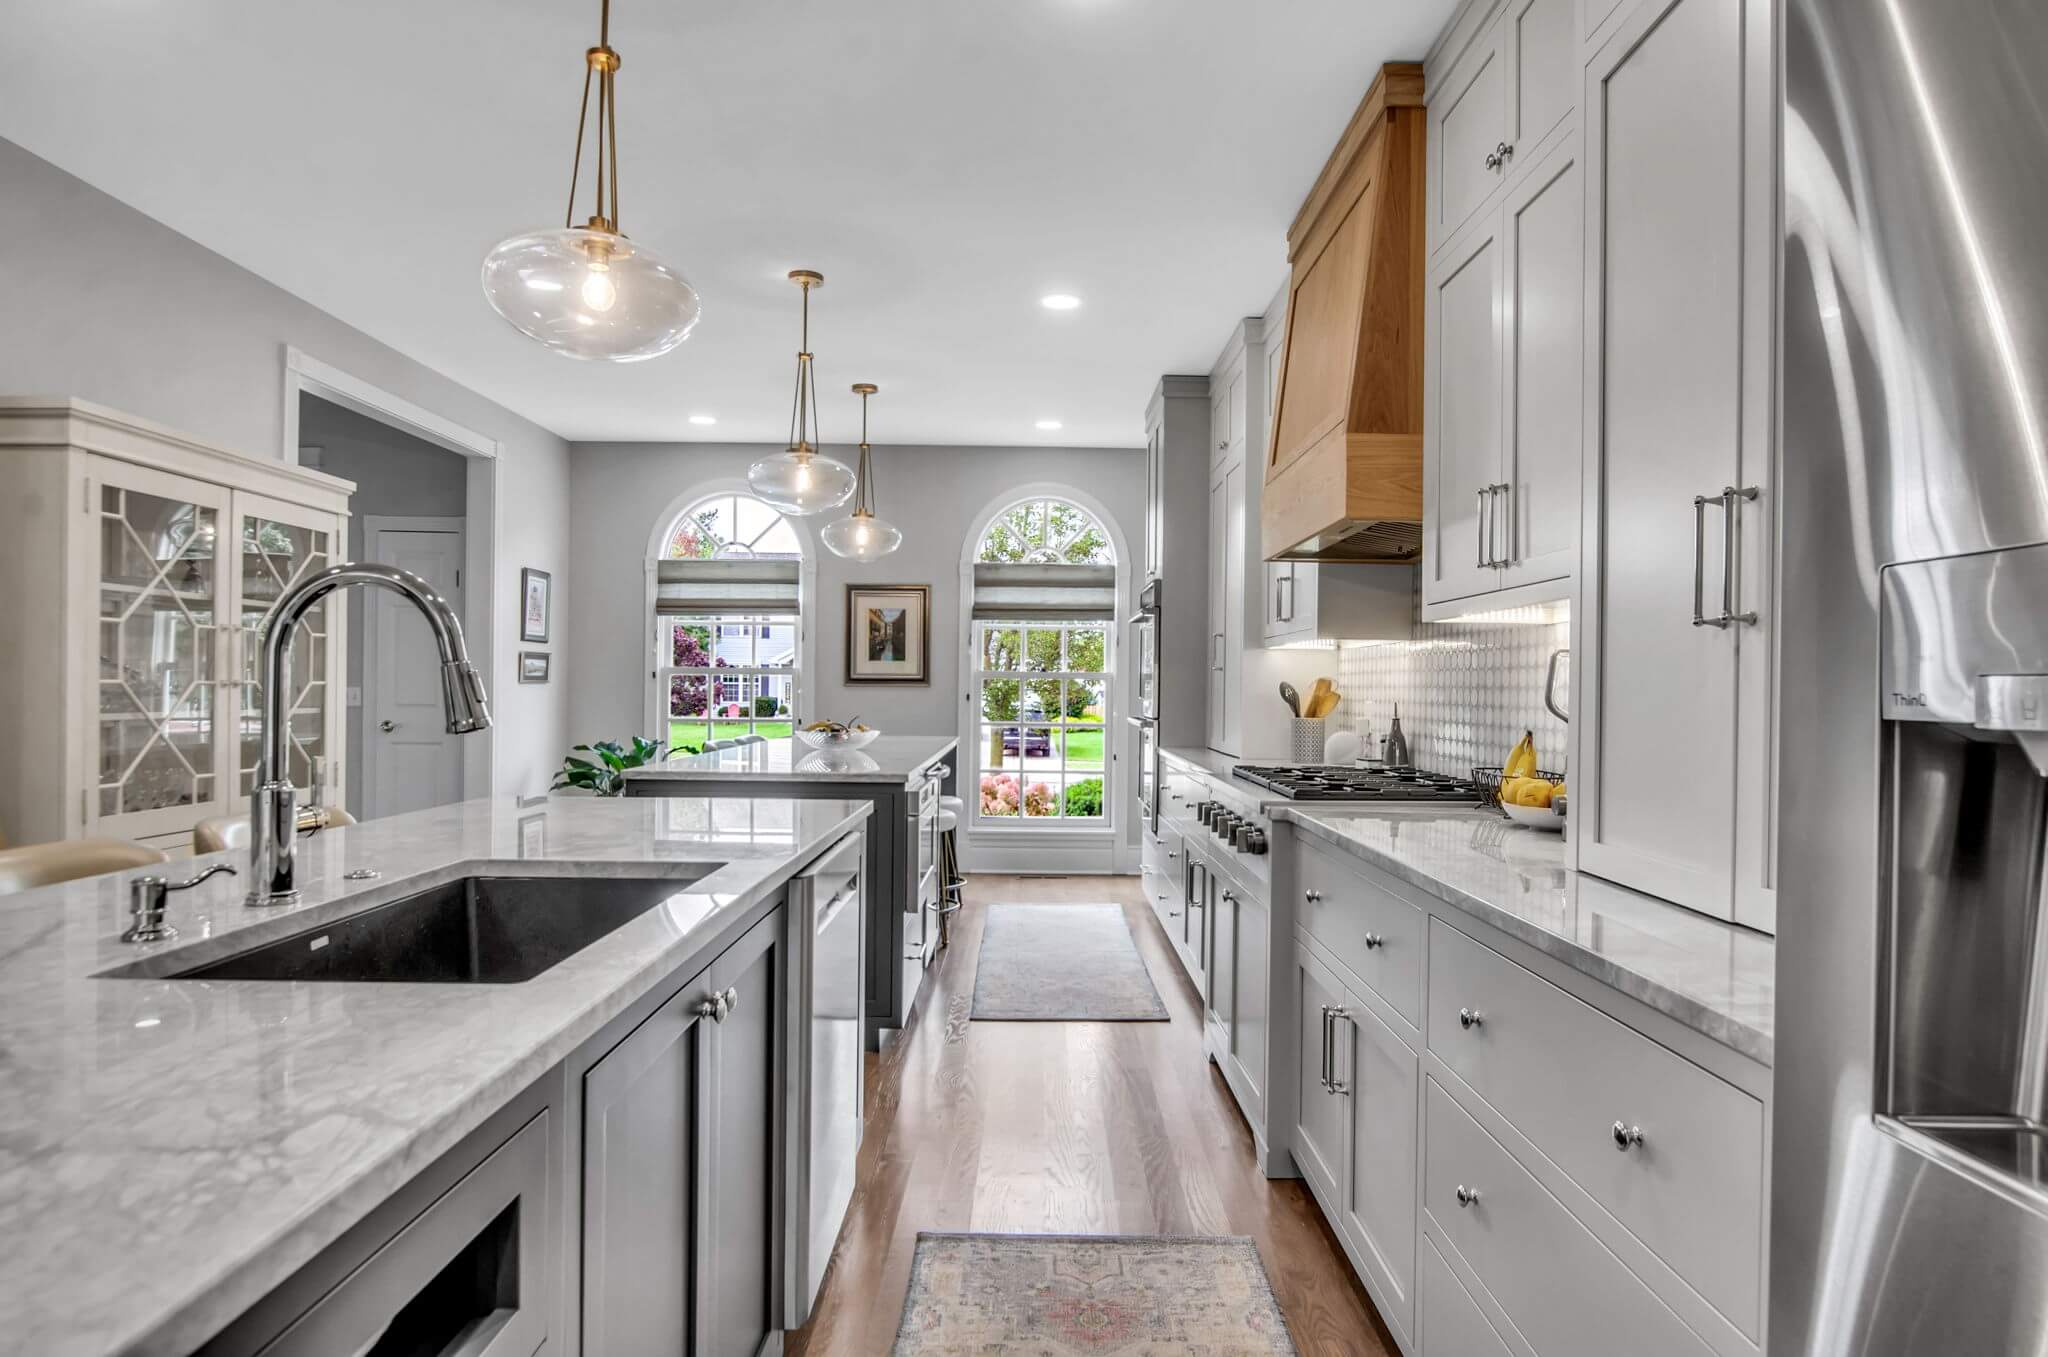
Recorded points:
1451,1320
1368,928
1558,1285
1564,1073
482,1249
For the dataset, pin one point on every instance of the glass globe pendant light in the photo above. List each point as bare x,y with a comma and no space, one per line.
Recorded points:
801,480
587,291
861,536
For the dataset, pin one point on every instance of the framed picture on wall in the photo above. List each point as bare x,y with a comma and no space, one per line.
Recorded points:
536,603
888,633
533,666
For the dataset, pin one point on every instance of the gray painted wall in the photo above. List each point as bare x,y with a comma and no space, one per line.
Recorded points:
106,304
395,474
621,491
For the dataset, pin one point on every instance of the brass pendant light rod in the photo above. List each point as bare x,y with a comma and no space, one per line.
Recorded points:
864,478
803,415
602,63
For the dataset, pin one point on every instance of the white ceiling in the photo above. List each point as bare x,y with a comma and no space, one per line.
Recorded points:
942,162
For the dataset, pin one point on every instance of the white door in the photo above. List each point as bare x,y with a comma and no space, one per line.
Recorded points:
412,762
1665,388
1542,302
1461,434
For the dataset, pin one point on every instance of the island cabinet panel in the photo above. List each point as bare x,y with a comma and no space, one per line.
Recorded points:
680,1128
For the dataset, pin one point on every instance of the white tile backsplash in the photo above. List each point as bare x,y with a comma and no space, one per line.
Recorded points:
1466,691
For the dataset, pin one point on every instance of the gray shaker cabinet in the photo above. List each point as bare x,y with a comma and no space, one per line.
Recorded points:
678,1154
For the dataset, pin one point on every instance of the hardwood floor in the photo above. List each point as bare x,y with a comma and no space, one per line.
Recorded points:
1111,1128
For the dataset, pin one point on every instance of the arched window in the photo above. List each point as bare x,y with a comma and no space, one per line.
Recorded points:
1043,625
721,527
728,625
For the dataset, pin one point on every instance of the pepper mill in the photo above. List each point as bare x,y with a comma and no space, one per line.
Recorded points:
1397,743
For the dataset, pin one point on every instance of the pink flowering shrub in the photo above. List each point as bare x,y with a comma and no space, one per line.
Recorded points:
998,794
1039,800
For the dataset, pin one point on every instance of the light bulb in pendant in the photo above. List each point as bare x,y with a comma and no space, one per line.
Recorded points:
803,474
600,293
860,534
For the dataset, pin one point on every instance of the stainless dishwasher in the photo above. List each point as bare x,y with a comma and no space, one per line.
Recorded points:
827,994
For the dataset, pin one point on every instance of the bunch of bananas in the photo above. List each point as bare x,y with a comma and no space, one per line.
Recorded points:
1519,785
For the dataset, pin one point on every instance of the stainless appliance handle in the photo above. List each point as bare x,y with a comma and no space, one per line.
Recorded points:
1550,685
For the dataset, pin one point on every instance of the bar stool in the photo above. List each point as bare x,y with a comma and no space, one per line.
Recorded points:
46,864
952,885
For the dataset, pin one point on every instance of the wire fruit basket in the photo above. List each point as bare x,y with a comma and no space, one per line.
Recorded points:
1488,781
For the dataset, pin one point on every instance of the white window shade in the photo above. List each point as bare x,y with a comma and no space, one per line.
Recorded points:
734,586
1021,592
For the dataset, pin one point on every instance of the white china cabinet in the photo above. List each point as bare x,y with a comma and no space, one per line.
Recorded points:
141,565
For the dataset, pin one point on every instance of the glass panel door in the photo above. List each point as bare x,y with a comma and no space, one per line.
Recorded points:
156,761
277,545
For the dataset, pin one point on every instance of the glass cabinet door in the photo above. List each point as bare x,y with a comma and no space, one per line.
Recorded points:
277,545
156,762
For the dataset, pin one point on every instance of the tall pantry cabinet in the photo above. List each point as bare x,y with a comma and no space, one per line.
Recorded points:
1674,784
141,564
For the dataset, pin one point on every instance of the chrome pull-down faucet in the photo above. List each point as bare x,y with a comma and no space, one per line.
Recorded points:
273,812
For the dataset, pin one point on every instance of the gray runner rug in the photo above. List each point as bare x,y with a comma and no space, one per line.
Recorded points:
1062,963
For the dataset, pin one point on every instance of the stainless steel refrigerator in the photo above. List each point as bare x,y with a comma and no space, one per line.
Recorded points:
1908,1205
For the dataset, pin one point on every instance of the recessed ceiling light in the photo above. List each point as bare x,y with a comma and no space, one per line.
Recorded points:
1049,425
1059,301
703,419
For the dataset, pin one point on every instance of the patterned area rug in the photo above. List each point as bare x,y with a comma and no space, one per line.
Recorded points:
1062,963
1089,1296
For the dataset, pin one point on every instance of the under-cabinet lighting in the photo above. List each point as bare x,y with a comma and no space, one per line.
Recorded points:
1060,301
1528,615
1049,426
705,420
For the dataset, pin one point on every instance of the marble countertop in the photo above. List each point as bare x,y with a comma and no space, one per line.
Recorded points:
171,1150
1204,760
895,759
1716,978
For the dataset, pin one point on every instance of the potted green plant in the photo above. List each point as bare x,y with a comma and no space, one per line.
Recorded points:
605,775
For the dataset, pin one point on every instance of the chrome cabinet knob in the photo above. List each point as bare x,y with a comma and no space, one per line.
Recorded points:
719,1007
1373,940
1493,160
1469,1018
1626,1137
1505,151
1312,897
1467,1195
387,726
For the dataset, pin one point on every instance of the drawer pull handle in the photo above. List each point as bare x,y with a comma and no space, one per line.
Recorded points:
1373,940
1172,854
1469,1018
1312,897
1338,1013
1627,1138
1467,1195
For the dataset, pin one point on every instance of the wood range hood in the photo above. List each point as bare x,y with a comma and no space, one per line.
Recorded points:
1344,470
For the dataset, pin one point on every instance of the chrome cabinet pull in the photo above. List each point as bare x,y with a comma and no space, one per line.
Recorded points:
1507,532
1485,538
1323,1068
1338,1013
1467,1195
1729,500
1731,507
1627,1138
1469,1018
1374,940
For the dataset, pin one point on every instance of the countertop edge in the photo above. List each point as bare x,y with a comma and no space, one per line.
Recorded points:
1720,1027
269,1262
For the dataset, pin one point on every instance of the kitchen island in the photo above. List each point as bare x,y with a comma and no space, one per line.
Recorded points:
902,777
184,1156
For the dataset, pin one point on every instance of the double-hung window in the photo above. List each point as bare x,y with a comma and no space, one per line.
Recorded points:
1043,637
727,656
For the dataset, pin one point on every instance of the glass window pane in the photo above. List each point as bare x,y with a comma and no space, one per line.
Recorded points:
1084,747
1087,650
1041,797
1083,798
1038,746
1042,650
1001,648
1085,699
999,699
1000,795
1002,747
1042,700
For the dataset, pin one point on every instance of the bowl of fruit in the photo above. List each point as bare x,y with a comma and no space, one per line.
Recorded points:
1525,793
838,735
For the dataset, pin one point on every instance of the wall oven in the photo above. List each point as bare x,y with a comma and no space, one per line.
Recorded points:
1150,778
1145,643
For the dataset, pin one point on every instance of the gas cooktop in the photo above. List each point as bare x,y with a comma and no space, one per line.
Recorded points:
1310,782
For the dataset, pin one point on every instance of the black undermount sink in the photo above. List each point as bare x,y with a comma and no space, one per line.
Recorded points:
479,930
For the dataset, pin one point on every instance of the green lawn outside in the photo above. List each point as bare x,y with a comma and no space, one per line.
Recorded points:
694,732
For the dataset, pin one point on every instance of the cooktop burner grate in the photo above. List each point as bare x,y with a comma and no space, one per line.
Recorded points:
1308,782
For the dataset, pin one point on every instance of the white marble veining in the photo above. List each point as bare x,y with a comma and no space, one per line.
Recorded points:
170,1150
1714,977
894,759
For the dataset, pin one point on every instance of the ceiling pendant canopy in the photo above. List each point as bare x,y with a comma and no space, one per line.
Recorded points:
861,536
587,291
800,479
